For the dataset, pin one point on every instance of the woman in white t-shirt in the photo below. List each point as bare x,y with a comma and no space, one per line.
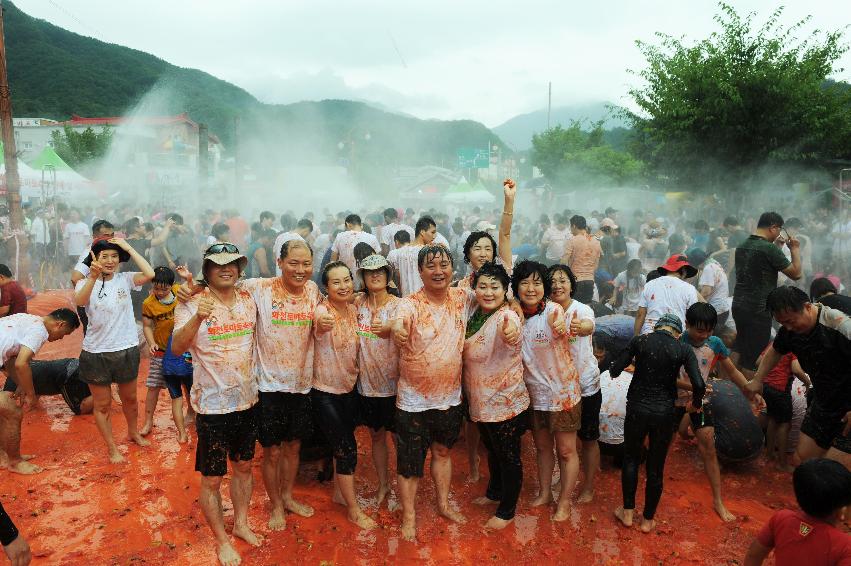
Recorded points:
111,345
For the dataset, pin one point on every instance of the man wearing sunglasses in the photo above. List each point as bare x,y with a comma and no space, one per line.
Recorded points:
217,326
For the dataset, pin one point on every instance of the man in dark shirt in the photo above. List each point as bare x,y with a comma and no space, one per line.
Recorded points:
821,339
758,261
822,290
13,300
658,357
59,377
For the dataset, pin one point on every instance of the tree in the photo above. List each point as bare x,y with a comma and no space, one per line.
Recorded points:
79,149
714,112
574,157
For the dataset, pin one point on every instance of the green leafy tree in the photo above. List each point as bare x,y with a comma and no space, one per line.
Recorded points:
713,113
79,149
571,157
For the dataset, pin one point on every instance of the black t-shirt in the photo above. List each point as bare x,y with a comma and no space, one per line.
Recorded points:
57,377
757,263
825,354
837,302
141,245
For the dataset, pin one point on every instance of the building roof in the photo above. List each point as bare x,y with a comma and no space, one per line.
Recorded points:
118,120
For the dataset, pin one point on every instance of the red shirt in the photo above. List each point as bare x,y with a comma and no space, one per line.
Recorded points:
12,295
781,375
799,539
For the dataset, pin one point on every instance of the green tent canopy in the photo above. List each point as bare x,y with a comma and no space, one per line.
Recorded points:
49,158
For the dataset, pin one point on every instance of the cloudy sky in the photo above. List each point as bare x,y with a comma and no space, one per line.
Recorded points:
485,60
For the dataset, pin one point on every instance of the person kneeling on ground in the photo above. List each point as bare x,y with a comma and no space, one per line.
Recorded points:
59,377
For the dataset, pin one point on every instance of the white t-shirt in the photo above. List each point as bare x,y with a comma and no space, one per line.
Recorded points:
389,232
633,249
714,276
631,288
40,230
665,295
20,330
555,241
112,327
440,240
283,238
613,407
82,267
582,351
76,237
404,261
344,246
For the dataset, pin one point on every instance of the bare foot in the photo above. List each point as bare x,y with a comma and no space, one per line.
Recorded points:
277,520
338,498
722,511
182,437
409,529
300,509
115,457
544,498
624,516
228,555
585,497
383,492
146,428
484,500
647,525
245,533
137,438
495,523
475,475
25,468
562,513
361,519
27,457
452,515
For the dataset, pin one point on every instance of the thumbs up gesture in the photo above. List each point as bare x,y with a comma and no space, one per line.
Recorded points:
324,320
509,331
205,307
575,325
401,331
557,323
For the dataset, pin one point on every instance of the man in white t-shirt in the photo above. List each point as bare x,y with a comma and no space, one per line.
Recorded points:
302,232
388,231
76,236
555,239
343,248
667,294
21,337
404,259
712,285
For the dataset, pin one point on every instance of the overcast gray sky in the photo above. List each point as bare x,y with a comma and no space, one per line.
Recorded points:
482,59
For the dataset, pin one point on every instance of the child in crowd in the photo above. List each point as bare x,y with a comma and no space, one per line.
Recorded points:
810,535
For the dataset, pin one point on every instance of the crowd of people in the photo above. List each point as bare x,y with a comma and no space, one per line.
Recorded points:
605,333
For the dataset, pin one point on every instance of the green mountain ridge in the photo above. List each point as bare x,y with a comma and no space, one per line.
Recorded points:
54,73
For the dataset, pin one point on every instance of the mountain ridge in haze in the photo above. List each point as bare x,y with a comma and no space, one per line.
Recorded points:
518,131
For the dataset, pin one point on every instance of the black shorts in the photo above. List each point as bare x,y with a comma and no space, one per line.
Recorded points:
590,428
106,368
415,433
699,420
283,417
378,412
176,383
231,436
753,332
778,404
825,428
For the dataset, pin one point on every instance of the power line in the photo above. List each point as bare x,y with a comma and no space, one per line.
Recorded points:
396,47
68,13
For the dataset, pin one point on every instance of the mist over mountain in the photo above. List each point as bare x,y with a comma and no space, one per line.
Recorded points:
518,131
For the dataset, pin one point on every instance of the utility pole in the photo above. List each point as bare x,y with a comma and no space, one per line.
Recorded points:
236,171
549,104
13,182
203,157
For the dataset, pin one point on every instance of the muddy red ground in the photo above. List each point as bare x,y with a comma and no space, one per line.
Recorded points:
82,510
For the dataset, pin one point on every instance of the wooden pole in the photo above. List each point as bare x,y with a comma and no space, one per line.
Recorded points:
13,182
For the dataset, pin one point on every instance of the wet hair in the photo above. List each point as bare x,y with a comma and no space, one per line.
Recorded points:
821,287
287,222
578,222
5,271
491,269
769,219
266,215
731,221
131,225
423,224
634,265
67,316
702,316
786,298
333,265
353,220
96,227
294,245
471,241
402,237
306,224
526,268
821,487
391,214
651,275
163,276
219,229
564,269
362,251
176,218
431,252
606,290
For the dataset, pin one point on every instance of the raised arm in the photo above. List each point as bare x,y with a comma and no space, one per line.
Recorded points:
504,243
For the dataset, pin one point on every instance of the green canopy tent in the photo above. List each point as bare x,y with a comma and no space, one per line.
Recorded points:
49,158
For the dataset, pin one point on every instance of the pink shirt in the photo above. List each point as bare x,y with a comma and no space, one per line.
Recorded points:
335,353
582,254
493,372
378,358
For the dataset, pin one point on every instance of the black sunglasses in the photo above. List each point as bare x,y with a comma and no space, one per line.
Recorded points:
221,248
